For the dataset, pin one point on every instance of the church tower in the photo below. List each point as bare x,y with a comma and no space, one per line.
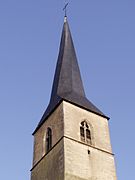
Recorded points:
72,141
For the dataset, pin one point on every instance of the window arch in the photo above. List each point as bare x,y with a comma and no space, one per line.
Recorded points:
85,132
48,139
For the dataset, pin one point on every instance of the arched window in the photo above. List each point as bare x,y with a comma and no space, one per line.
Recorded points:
85,132
48,139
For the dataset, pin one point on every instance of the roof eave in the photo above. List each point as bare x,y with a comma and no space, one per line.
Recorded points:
64,99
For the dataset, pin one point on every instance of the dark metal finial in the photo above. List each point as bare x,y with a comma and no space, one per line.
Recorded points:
65,9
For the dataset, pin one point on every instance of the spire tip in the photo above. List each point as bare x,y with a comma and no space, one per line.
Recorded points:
65,19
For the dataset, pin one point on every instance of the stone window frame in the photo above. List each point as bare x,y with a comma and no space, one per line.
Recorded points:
86,132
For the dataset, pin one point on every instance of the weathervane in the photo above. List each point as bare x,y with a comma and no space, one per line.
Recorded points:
65,9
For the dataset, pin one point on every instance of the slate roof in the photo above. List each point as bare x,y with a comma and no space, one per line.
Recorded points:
67,84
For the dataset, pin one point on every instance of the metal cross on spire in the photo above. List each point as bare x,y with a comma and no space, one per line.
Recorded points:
65,8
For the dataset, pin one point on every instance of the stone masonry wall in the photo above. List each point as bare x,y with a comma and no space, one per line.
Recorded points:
55,122
79,164
51,167
73,116
69,159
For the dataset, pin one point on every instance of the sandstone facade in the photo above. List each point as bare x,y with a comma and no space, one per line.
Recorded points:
69,157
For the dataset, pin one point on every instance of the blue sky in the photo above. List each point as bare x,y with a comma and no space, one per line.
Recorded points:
104,38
